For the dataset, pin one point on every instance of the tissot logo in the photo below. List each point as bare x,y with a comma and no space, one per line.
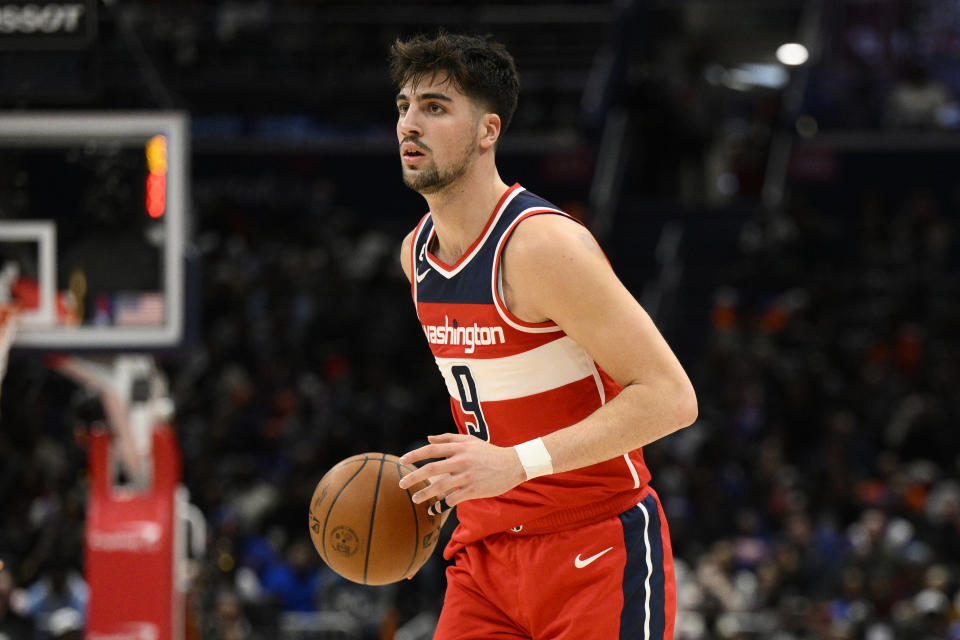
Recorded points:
127,631
134,536
41,24
33,18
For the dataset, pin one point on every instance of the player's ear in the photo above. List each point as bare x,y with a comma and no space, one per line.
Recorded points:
489,130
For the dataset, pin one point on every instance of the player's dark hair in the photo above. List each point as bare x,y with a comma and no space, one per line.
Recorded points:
479,67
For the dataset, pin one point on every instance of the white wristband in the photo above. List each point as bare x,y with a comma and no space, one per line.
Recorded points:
535,458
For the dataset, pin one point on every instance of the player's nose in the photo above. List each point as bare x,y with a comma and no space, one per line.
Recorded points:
408,126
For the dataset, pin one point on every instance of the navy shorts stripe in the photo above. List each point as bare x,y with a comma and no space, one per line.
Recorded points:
643,615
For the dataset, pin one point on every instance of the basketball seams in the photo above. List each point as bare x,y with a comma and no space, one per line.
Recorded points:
416,524
360,457
373,513
326,520
389,532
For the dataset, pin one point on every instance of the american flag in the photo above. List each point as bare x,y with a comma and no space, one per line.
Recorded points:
138,309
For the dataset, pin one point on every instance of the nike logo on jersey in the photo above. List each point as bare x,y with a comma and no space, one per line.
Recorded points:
580,563
421,276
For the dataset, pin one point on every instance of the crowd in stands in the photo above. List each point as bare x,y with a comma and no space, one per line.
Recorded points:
886,64
818,495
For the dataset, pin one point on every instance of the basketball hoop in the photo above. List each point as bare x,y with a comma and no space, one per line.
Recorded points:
9,320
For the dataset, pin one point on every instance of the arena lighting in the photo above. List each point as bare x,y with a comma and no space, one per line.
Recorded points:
792,54
156,191
749,76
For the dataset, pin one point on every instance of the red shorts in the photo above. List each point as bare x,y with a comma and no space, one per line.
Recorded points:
609,580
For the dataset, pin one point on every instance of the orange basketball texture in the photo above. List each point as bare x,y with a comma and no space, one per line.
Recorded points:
365,527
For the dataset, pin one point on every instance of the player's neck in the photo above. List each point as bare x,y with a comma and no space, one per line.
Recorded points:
461,211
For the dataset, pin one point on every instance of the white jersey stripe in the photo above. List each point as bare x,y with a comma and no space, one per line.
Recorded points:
633,470
556,364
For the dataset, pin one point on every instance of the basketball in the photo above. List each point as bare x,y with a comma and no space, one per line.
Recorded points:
365,527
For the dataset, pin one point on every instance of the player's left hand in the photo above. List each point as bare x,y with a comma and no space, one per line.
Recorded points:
469,468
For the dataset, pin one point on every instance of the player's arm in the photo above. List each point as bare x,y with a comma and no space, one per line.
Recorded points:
554,269
405,254
558,271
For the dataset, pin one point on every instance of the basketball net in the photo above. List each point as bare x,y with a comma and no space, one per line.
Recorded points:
9,313
9,320
132,418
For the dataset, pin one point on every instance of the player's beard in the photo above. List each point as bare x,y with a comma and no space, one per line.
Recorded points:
430,180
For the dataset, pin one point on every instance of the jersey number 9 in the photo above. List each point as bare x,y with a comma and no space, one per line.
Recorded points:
469,401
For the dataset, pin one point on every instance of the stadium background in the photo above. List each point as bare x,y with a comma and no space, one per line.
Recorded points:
792,230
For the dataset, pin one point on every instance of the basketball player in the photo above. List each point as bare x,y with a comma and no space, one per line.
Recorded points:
557,378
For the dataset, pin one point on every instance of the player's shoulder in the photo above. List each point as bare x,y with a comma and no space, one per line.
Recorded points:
547,237
406,246
408,240
405,251
550,260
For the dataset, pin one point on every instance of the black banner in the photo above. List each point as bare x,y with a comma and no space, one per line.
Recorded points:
39,24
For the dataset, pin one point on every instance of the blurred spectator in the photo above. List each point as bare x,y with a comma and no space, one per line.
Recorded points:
59,588
919,101
12,625
66,624
295,583
227,621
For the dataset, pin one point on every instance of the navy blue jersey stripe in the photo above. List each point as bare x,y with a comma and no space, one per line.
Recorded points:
471,285
464,289
643,579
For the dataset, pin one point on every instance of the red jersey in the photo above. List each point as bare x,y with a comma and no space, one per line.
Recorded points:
511,381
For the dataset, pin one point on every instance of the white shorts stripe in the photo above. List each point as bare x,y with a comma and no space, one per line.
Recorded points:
646,582
544,368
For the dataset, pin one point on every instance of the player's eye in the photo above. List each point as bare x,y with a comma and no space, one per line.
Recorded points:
402,108
436,107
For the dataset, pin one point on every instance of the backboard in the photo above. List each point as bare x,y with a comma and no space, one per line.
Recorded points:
93,228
